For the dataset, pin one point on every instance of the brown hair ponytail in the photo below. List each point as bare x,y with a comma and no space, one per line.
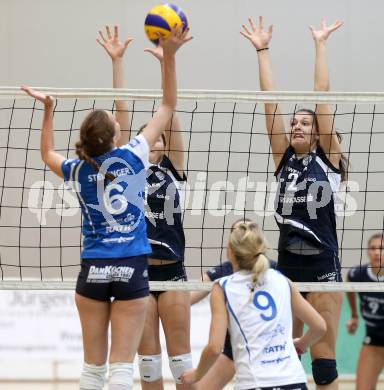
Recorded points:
96,138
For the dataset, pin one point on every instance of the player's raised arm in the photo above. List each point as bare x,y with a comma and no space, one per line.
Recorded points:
116,48
47,148
261,39
328,140
173,132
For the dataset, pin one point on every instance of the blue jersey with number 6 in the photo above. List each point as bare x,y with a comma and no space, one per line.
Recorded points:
113,211
260,324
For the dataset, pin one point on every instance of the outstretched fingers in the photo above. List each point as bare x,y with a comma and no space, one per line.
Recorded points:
108,30
46,99
261,23
127,42
246,31
336,25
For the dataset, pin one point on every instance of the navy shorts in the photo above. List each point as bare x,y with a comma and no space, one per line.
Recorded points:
374,337
121,279
171,272
295,386
227,351
322,267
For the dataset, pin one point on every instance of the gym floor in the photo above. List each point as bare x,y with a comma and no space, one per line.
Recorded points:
345,385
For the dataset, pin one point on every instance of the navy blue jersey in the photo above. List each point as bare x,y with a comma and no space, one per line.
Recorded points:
220,271
305,204
371,303
225,269
113,224
164,201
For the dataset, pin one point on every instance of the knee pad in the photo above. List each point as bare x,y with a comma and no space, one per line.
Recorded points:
150,367
121,376
324,371
92,377
178,364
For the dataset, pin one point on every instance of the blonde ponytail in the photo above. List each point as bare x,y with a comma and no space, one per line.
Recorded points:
248,246
259,267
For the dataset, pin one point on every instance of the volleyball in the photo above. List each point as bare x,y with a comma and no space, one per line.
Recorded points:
161,19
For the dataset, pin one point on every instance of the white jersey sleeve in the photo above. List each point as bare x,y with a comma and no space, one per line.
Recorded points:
139,146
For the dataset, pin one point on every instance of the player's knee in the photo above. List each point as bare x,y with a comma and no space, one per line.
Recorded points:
92,377
121,376
324,371
150,367
179,364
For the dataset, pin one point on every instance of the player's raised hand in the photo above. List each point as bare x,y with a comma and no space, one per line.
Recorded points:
111,42
175,40
257,35
325,31
41,97
157,52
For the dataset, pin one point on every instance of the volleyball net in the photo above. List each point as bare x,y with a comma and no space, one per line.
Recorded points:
228,163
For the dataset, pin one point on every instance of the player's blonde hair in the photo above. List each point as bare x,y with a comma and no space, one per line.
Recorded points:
248,246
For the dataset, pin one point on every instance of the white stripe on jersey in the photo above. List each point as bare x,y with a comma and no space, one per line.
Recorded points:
78,192
287,221
374,277
180,187
334,178
155,242
260,326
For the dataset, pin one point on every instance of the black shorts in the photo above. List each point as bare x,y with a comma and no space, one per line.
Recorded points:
121,279
295,386
374,337
171,272
322,267
227,351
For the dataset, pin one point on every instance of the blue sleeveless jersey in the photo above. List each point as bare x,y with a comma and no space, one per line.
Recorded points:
113,212
371,303
164,201
305,204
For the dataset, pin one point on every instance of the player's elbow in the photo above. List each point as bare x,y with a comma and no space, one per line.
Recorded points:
45,156
48,157
214,348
